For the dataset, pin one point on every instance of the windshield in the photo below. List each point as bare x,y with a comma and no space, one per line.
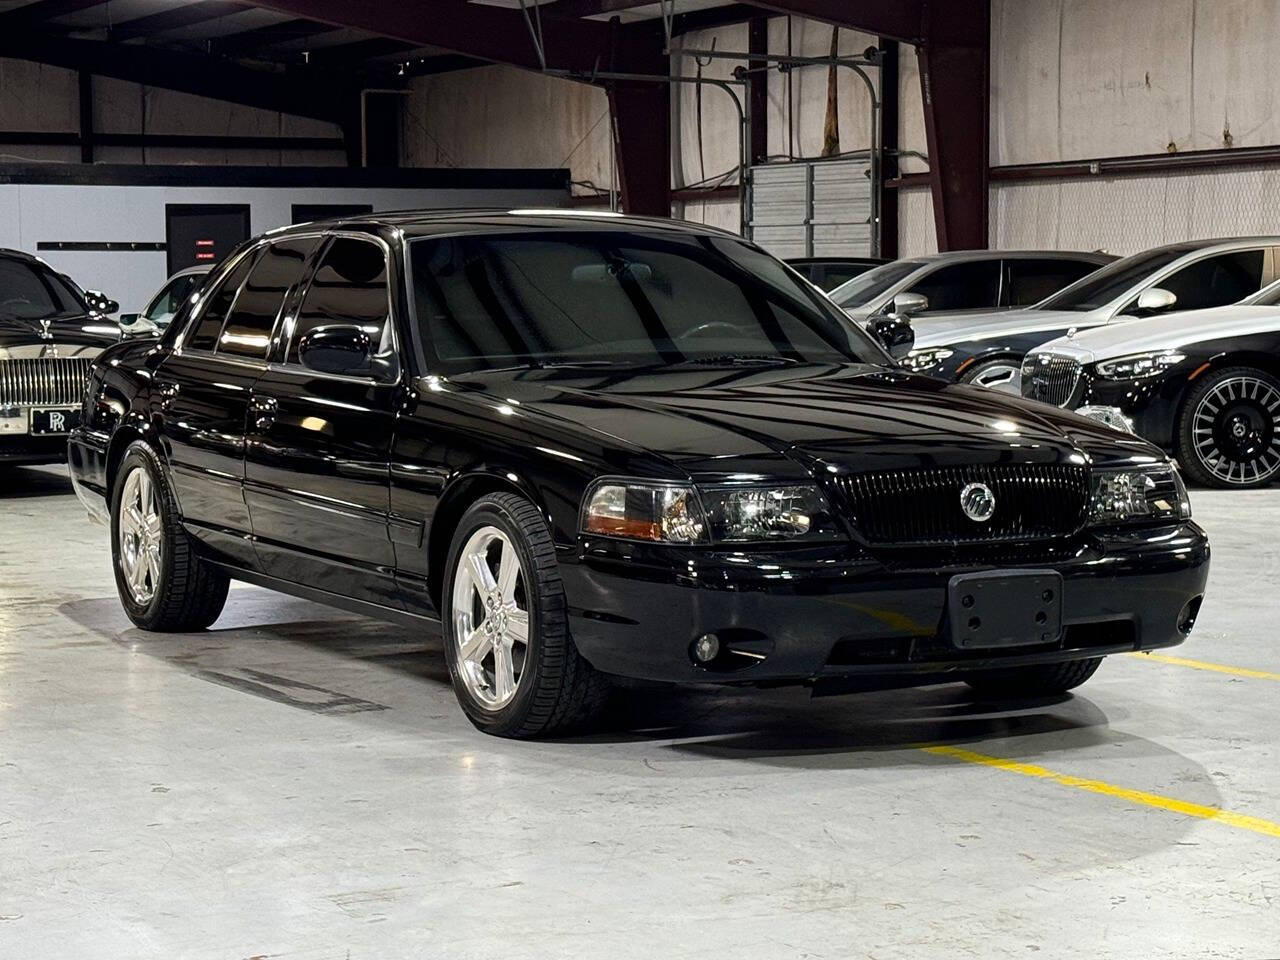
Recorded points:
1266,297
1114,280
166,303
618,297
30,291
864,288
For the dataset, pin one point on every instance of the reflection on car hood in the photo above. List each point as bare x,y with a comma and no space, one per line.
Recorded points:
855,418
957,328
88,330
1167,332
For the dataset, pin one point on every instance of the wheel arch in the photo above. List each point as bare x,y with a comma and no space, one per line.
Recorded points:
1266,362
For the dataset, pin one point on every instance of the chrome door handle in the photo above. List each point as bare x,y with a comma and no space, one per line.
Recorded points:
263,411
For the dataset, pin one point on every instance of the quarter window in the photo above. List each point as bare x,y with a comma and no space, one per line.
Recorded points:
247,332
961,286
349,287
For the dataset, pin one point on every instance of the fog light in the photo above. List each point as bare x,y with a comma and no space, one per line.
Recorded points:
1187,618
1111,416
706,648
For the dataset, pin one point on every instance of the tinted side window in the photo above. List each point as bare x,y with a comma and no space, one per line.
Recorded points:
1216,281
218,303
349,286
247,332
1030,281
962,286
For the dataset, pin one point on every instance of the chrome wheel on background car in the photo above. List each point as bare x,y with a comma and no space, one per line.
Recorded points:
1230,429
141,536
1003,375
490,617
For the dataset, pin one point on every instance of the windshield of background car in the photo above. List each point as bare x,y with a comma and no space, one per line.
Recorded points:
864,288
1266,297
29,291
1114,280
615,296
166,303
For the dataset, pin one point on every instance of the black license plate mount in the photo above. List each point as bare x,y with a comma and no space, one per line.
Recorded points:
47,421
1005,608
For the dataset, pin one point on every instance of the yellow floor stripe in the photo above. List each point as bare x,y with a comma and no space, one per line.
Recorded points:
1239,820
1215,667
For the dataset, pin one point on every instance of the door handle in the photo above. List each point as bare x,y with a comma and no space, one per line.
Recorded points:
262,413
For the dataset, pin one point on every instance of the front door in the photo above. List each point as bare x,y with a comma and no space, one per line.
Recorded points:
318,456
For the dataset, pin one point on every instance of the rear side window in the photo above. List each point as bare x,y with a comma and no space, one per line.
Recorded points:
349,287
1030,280
1215,281
247,332
961,286
218,303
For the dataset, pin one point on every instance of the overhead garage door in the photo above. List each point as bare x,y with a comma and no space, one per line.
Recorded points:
813,209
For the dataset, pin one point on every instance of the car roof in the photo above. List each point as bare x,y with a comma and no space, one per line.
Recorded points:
964,256
197,270
11,254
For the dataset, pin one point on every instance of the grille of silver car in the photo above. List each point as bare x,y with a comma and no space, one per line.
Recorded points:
1050,378
916,507
52,381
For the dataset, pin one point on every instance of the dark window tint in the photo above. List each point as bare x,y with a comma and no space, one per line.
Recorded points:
1115,279
247,332
1214,281
349,286
961,286
218,302
31,292
1030,281
833,275
865,287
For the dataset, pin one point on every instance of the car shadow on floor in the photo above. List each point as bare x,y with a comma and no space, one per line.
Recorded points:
20,482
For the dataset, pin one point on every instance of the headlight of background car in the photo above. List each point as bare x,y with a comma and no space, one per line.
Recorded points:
1139,365
926,359
640,510
1147,493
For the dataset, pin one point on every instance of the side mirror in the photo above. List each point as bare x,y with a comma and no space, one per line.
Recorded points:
909,304
340,348
100,301
1156,299
894,334
127,319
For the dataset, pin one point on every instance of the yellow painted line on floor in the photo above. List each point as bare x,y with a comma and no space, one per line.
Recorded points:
1202,665
1238,820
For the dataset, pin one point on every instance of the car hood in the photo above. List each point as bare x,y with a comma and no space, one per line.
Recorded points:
840,418
956,328
62,337
1167,332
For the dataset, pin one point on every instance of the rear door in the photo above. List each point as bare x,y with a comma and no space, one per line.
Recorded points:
1029,280
318,456
954,288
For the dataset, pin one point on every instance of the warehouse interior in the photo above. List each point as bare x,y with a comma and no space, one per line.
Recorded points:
297,780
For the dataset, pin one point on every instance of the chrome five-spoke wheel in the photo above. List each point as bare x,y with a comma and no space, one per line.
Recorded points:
490,617
141,534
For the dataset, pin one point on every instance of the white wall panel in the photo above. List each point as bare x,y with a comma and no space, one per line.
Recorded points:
916,231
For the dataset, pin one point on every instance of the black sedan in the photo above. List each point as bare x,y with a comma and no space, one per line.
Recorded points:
597,446
48,336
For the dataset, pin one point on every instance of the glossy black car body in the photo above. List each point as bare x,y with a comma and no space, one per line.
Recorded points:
348,490
48,336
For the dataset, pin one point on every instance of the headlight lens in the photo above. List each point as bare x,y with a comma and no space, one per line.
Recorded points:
926,359
1140,365
1148,493
671,513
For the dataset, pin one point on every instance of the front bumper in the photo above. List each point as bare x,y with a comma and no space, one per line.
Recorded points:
834,611
1149,404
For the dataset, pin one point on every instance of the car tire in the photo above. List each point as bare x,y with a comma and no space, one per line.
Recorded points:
1043,680
1229,413
164,585
1003,374
514,667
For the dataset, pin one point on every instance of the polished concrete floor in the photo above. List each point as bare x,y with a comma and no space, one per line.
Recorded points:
299,783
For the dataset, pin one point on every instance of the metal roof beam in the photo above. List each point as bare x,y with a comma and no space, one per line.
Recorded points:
174,19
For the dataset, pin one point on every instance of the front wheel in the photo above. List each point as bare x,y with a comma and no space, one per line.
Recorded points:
1004,375
514,667
1229,430
1039,681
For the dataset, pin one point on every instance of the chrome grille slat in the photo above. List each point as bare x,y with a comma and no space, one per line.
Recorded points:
43,381
919,507
1050,378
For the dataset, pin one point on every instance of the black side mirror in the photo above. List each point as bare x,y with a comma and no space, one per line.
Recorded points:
100,301
894,334
343,349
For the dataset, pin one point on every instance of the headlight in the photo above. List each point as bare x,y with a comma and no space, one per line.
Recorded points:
1139,365
672,513
1147,493
926,359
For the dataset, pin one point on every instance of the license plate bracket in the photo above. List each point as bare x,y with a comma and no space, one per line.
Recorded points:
53,421
1005,608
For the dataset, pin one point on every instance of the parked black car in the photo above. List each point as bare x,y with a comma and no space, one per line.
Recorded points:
48,336
1203,385
827,273
597,446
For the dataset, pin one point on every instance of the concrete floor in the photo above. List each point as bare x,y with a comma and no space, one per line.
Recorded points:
299,782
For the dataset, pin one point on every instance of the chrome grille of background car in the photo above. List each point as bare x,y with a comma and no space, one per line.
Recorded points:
1049,378
43,381
912,507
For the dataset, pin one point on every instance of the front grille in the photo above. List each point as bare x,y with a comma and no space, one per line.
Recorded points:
43,381
914,507
1049,378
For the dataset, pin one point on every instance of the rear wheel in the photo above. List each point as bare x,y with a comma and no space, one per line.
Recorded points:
1229,429
1038,681
1004,374
515,670
163,584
